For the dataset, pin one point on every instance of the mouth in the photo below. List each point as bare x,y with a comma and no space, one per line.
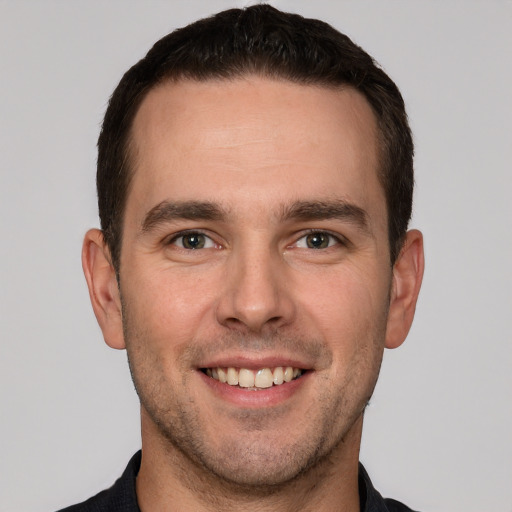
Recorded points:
254,380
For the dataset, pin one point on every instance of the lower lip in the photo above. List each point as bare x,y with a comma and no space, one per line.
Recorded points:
248,398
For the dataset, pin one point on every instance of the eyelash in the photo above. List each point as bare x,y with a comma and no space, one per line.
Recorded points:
336,238
210,243
183,234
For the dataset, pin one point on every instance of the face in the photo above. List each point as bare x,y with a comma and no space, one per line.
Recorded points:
254,250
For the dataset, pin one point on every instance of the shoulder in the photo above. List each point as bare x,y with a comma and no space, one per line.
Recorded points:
120,497
102,502
371,499
396,506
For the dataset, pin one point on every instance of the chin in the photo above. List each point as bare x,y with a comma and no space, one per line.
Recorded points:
255,461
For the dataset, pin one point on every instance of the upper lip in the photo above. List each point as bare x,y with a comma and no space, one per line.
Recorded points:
255,362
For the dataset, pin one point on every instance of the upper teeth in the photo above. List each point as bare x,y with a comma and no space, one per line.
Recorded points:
263,378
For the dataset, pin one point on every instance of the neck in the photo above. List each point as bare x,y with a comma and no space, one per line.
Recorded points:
169,480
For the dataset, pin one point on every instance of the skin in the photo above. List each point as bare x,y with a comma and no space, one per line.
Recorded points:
260,154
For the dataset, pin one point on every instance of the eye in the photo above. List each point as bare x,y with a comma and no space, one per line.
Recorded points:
317,240
193,240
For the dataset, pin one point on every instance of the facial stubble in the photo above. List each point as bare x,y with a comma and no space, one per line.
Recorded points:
250,463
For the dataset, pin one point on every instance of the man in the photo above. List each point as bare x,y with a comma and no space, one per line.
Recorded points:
255,186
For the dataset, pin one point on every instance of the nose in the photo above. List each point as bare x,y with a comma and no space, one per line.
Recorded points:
256,294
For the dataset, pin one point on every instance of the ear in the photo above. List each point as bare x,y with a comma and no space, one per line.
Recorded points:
407,277
103,289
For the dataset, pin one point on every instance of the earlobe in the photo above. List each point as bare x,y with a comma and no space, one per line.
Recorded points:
407,277
103,289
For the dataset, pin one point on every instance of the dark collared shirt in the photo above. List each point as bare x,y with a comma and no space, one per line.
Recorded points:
121,496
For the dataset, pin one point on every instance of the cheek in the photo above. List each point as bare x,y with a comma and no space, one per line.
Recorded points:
349,305
167,309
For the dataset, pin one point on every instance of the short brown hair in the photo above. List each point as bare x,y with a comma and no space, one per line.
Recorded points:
261,40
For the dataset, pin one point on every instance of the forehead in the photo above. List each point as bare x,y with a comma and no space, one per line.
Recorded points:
253,136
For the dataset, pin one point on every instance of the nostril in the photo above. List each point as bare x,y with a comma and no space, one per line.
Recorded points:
233,322
253,302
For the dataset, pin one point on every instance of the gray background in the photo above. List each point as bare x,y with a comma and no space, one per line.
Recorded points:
438,432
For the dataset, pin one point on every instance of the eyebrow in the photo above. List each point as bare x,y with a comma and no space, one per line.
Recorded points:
167,211
324,210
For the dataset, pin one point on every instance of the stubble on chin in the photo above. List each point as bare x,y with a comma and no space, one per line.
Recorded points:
252,463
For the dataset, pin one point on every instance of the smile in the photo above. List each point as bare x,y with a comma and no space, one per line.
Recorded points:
254,379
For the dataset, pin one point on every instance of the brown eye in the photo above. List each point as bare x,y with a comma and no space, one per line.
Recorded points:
193,241
318,240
